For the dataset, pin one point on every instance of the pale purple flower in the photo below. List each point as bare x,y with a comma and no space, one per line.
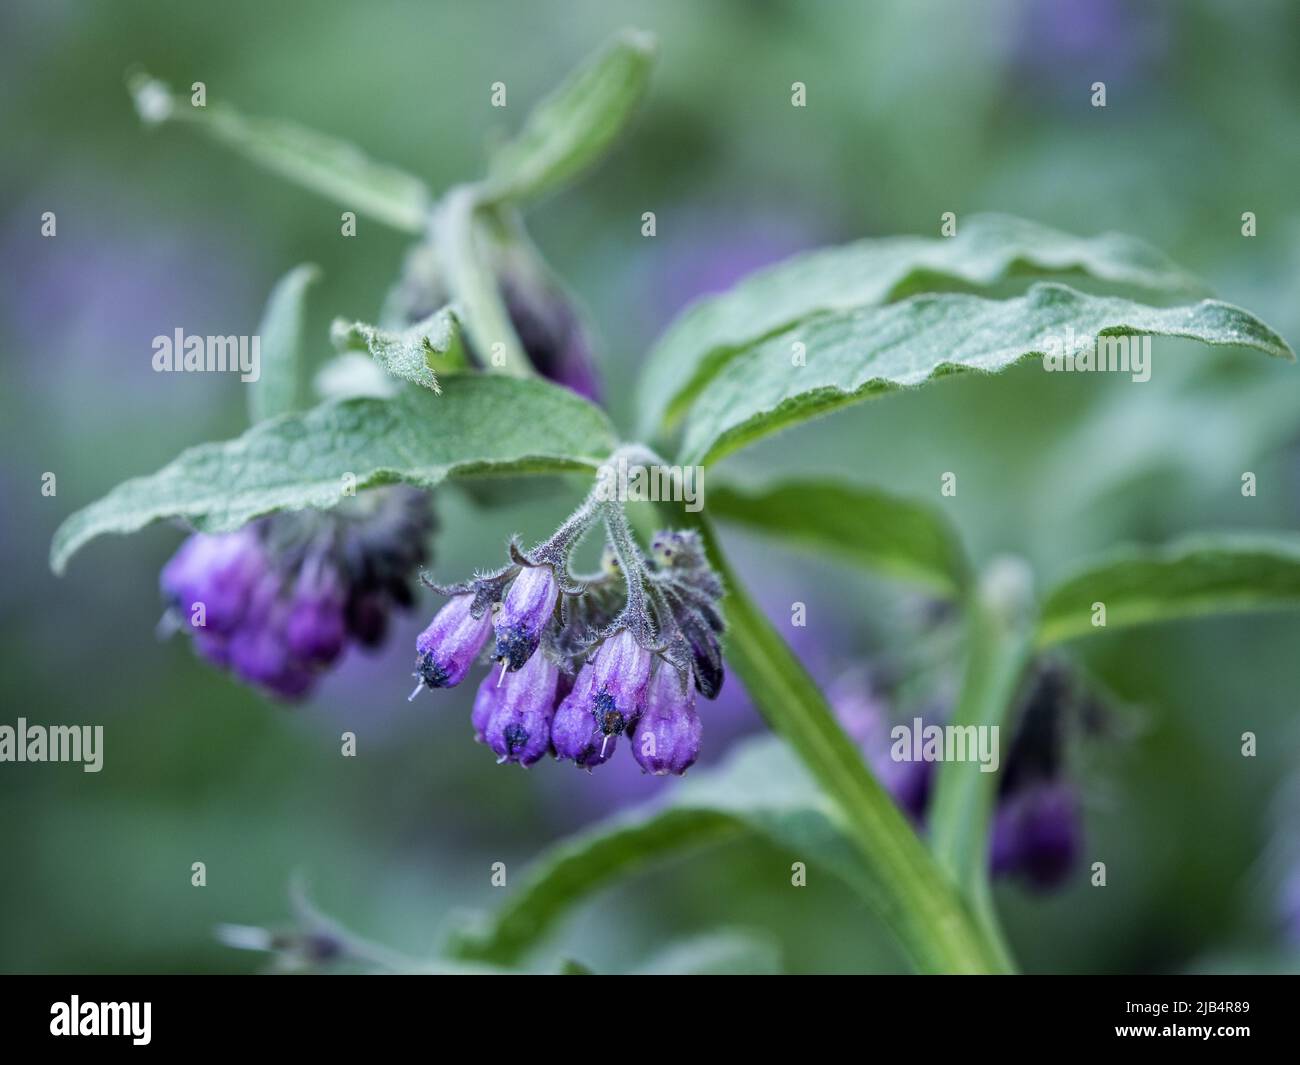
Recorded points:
519,723
448,647
528,606
667,735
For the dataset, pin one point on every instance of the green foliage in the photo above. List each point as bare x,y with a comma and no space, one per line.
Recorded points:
479,425
988,250
413,354
316,161
1199,576
853,355
896,536
576,124
276,391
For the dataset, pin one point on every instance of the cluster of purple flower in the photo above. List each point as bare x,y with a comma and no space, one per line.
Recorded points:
278,601
1037,831
576,671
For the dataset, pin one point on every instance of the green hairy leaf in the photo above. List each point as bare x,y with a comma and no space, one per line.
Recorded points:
850,356
277,390
870,528
575,125
414,353
761,788
481,424
988,249
316,161
1196,577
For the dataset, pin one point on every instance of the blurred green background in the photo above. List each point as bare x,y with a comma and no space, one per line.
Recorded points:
914,108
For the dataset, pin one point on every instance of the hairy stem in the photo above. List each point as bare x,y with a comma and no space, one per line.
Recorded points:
998,649
908,890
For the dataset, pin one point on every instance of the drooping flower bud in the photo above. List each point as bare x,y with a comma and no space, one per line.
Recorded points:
1037,833
519,724
315,628
448,647
706,654
259,652
667,736
619,681
574,732
210,578
528,606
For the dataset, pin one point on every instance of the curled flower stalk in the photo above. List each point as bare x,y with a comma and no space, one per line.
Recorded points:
578,662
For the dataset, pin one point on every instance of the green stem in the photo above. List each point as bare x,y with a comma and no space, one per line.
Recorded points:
907,889
998,649
459,235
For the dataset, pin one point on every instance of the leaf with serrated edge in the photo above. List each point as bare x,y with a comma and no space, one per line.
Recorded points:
885,533
1197,577
332,167
988,249
481,424
575,125
853,355
277,389
410,354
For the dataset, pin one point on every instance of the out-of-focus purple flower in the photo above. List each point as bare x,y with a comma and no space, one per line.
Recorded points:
215,574
551,333
866,718
549,328
451,643
528,606
519,723
282,595
1037,834
315,627
667,735
1289,907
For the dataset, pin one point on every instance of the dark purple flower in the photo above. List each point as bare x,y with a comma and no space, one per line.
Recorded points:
706,654
448,647
1037,834
528,606
667,735
519,723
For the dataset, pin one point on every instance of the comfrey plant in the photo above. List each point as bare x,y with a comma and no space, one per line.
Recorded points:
300,522
584,661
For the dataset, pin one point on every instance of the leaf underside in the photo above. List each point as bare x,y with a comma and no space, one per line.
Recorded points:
850,356
987,250
326,165
480,425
